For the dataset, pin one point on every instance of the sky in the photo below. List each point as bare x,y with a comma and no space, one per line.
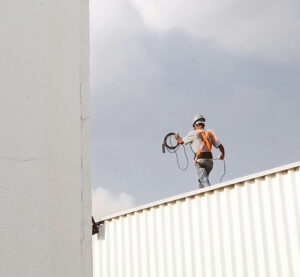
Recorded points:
155,64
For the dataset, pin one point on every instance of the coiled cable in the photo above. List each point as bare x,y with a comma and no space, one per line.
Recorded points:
167,144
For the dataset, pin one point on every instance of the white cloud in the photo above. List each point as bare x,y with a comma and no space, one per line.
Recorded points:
269,28
118,58
105,203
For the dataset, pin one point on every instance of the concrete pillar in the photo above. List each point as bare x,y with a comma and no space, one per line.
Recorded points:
45,203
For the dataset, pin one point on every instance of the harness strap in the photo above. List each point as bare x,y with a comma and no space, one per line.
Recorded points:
213,134
205,136
204,141
198,152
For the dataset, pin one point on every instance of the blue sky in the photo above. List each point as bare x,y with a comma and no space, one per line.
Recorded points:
155,64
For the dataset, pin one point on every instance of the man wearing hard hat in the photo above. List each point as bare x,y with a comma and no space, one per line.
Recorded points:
201,141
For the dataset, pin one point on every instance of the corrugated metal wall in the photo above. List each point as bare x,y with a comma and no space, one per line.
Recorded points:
251,228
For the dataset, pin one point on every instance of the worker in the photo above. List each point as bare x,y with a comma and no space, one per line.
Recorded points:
201,141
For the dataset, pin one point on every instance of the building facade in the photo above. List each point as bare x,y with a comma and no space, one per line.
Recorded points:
244,227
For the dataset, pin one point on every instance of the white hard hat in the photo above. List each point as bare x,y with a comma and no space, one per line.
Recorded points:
198,118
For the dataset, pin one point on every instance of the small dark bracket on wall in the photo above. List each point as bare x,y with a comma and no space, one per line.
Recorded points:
95,227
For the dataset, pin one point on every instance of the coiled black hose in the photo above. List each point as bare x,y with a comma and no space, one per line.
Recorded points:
167,144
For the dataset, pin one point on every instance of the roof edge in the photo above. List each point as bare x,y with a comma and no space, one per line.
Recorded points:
204,190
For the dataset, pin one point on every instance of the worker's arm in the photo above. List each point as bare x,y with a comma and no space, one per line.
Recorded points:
221,148
178,138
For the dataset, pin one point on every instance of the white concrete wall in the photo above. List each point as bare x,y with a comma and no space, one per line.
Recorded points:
45,206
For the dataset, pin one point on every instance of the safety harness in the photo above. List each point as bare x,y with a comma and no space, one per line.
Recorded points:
205,141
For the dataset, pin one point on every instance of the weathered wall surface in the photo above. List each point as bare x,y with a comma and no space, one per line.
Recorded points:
45,208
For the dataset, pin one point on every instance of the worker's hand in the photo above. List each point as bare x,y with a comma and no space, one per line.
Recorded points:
176,136
195,159
221,156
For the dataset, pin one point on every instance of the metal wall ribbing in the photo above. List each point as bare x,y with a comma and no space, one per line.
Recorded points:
248,228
